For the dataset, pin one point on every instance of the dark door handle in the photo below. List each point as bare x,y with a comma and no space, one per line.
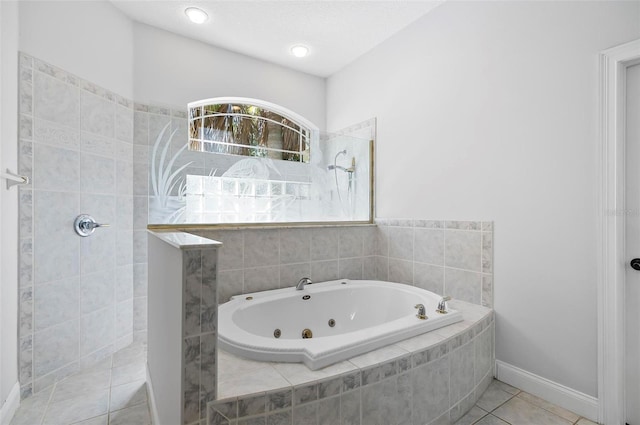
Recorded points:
635,264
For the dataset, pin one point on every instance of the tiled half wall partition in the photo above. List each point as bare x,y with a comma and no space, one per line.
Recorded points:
183,312
76,294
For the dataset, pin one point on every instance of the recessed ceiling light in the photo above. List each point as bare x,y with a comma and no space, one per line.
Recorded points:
196,15
299,50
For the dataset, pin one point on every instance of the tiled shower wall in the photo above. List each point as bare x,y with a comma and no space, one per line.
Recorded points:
76,294
148,122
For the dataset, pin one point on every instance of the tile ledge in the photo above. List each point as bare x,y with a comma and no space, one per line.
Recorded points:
184,241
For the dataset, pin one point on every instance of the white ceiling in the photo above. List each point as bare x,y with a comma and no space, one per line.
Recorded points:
337,32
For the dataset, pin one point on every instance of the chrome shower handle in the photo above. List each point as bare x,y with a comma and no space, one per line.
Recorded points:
85,225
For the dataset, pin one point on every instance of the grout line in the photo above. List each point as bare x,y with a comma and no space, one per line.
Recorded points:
110,388
503,403
444,263
46,407
413,257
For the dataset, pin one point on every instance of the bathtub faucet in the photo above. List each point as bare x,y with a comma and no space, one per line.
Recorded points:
442,305
302,282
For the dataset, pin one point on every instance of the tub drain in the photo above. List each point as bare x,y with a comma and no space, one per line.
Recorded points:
277,333
332,323
307,334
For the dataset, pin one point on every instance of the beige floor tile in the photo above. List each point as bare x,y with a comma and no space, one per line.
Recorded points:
128,395
518,412
80,383
98,420
585,421
32,409
137,415
472,416
85,398
135,353
557,410
492,398
491,420
76,409
128,373
504,387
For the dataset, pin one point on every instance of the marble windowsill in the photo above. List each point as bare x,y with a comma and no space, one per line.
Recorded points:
239,377
183,240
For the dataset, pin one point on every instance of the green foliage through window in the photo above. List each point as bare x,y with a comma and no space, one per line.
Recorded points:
248,130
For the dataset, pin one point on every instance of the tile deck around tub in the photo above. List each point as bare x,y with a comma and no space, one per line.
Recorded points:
384,386
238,377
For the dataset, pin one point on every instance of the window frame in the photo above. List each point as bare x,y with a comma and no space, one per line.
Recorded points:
288,114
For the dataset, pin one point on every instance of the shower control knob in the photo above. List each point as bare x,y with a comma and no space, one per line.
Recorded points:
85,225
635,264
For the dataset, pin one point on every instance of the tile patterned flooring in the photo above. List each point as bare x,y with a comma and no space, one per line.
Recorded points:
502,404
113,392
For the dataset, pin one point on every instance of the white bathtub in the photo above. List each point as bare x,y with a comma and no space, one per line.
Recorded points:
367,314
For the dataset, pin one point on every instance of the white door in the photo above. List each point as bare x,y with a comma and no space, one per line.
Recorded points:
632,289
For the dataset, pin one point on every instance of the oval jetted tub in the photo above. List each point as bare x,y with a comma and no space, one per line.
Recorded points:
326,322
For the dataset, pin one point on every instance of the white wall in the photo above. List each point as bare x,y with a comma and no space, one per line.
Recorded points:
91,39
488,111
173,70
8,204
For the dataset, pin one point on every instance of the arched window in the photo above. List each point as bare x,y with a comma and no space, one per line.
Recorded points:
249,127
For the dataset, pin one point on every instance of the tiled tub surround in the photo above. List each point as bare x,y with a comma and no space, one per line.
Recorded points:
182,334
446,257
76,144
254,260
434,378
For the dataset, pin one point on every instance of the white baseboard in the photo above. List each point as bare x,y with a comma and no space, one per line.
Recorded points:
10,406
152,399
565,397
